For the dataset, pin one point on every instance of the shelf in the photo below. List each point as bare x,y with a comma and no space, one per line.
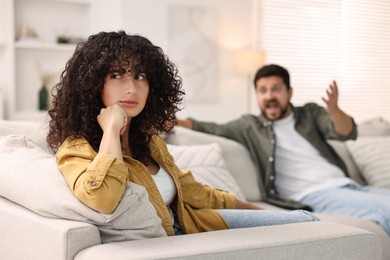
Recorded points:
81,2
29,51
37,45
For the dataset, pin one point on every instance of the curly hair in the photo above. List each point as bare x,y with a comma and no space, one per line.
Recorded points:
77,100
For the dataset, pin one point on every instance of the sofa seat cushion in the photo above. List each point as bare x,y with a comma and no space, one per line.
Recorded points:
29,177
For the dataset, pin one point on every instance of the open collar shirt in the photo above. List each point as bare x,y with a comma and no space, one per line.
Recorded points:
257,135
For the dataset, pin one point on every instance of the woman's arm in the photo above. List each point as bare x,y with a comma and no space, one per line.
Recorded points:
200,196
97,180
113,121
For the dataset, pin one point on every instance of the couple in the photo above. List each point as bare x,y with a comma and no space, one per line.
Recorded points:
118,93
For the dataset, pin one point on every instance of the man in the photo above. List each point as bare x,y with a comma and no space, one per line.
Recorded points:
298,168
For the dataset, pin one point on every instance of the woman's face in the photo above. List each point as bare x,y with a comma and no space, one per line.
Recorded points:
127,89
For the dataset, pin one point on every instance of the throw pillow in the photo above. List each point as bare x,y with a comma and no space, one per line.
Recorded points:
207,165
34,130
371,155
29,177
342,150
374,127
236,156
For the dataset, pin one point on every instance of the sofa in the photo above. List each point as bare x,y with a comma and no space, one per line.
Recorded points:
41,222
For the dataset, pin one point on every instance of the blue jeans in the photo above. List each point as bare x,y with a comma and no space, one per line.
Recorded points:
364,202
244,218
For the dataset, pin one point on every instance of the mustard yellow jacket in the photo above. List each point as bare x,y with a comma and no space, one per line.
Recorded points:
99,181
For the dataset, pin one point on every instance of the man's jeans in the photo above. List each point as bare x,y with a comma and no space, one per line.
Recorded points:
364,202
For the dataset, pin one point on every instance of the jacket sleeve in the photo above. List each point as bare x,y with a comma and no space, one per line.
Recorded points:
325,124
97,180
201,196
195,194
233,130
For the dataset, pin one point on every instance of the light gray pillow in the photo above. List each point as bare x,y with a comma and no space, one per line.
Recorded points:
342,150
207,165
34,130
237,158
29,177
371,155
374,127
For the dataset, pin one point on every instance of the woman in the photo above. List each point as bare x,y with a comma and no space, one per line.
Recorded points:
117,93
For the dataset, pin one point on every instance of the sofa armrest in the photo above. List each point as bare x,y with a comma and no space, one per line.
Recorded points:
27,235
311,240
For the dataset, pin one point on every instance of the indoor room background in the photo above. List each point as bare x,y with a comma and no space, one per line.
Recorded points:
316,40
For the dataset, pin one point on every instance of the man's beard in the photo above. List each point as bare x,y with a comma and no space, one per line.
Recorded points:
283,110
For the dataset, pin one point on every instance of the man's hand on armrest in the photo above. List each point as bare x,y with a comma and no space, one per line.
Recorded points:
187,123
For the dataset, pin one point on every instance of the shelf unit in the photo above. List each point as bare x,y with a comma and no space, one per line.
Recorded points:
25,61
5,53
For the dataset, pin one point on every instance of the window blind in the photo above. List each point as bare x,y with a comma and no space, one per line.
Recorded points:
323,40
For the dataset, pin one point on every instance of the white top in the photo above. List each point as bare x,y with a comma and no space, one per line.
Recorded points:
167,188
299,167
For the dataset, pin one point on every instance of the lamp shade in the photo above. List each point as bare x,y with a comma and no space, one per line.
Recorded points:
248,61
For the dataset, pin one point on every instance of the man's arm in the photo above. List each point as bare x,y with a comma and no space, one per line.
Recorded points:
187,123
342,122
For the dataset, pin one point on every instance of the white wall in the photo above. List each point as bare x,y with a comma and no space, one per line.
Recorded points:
234,27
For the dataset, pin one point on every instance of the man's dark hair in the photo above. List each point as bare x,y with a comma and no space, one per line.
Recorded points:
273,70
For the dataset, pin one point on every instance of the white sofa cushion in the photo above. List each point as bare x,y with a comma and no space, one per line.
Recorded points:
342,150
34,130
371,155
207,165
29,177
236,157
374,127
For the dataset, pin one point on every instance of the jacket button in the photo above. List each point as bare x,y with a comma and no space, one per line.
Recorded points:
271,159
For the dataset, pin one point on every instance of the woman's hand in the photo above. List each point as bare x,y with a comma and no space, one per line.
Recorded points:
113,121
246,205
113,117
